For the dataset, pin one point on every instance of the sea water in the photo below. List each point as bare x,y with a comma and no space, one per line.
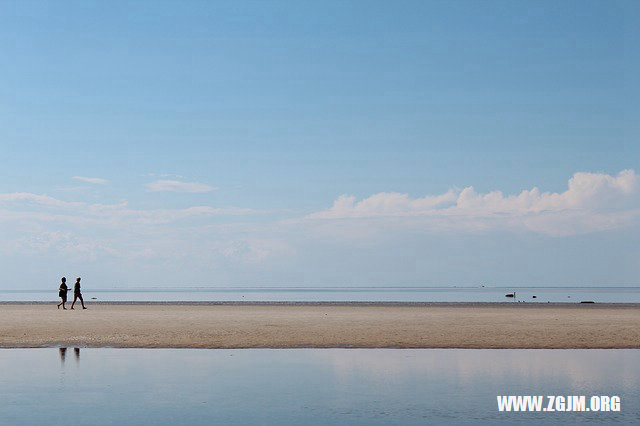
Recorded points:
342,294
63,386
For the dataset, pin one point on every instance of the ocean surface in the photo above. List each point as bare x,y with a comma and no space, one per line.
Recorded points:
342,294
66,386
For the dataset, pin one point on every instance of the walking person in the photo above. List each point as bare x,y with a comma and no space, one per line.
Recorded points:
62,292
77,294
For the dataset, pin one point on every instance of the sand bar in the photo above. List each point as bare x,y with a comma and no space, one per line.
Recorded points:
332,325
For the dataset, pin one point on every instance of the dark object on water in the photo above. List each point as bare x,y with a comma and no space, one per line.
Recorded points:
535,297
510,294
94,298
587,301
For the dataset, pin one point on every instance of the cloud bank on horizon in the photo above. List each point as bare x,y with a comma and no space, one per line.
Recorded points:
592,202
597,201
250,244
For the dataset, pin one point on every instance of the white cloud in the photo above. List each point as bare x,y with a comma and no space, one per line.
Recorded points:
164,175
592,202
63,243
385,204
94,180
41,224
43,200
50,209
178,186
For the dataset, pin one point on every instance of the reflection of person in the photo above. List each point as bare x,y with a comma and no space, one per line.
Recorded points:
77,294
63,354
62,293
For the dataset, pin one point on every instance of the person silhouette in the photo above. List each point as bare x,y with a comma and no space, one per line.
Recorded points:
62,292
77,294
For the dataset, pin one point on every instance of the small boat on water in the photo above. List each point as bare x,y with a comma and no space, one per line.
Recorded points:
510,294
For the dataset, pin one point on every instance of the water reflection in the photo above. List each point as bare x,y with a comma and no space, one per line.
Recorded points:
63,354
307,386
576,368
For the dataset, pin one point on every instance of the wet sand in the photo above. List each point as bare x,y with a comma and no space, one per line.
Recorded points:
384,325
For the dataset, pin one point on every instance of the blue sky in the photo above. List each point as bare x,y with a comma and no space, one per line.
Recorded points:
305,143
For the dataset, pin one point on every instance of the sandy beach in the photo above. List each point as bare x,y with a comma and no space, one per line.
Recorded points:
459,325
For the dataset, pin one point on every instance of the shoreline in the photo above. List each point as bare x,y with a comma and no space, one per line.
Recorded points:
331,303
235,325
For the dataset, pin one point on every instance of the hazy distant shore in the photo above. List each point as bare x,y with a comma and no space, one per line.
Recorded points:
333,303
321,325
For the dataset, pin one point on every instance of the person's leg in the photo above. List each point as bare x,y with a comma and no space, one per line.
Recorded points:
75,297
81,301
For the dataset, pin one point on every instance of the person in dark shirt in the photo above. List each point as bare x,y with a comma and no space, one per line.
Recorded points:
62,292
77,294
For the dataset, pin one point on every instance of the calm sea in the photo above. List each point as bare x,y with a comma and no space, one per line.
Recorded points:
344,294
66,386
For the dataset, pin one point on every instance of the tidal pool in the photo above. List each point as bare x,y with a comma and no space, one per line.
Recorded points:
63,386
